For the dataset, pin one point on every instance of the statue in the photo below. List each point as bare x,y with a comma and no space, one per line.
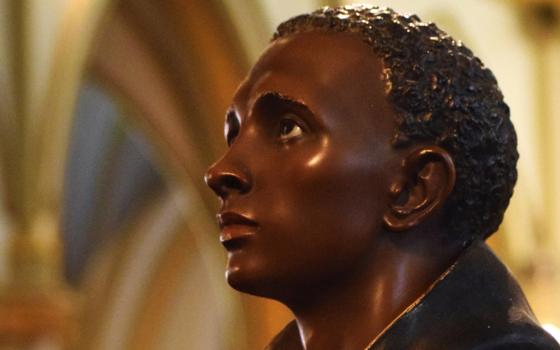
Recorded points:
370,155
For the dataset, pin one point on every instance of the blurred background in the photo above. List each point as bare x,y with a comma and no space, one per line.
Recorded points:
110,112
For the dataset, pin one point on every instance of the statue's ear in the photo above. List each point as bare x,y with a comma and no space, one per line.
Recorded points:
427,180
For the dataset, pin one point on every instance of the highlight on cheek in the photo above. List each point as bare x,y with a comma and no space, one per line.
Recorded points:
317,158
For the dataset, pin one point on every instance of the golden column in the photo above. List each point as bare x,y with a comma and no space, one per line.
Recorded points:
43,48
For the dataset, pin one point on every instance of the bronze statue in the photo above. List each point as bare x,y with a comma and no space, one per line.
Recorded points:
370,155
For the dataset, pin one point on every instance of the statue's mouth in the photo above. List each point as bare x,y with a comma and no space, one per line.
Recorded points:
234,229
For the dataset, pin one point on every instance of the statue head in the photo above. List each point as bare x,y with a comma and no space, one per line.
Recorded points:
443,95
356,123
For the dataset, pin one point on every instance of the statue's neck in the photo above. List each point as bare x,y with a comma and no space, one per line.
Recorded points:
350,314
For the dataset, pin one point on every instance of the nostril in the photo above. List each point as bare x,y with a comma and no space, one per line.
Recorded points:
232,182
223,183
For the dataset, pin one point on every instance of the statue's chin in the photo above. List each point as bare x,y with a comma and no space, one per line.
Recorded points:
251,274
249,281
240,275
243,281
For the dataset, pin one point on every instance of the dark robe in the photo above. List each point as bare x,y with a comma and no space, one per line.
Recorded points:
478,305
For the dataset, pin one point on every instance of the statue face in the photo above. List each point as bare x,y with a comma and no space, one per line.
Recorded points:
305,181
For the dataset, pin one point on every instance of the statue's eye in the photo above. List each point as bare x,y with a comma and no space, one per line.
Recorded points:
289,129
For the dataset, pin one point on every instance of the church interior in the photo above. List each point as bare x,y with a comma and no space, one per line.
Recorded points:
110,113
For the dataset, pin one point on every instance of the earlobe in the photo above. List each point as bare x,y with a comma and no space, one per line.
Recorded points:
428,179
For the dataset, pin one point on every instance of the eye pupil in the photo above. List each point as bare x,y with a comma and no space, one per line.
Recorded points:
289,129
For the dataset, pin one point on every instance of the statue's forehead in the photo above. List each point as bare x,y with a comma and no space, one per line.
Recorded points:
324,50
318,58
334,76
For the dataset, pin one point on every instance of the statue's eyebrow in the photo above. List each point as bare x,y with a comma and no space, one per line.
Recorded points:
274,96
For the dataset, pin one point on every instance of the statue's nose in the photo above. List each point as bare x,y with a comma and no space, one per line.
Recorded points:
225,178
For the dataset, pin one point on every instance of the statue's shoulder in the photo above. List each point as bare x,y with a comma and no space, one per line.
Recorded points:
477,306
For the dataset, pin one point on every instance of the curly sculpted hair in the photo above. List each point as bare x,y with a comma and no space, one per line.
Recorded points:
444,95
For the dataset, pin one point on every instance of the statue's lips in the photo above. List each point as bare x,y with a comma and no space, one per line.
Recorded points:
234,228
